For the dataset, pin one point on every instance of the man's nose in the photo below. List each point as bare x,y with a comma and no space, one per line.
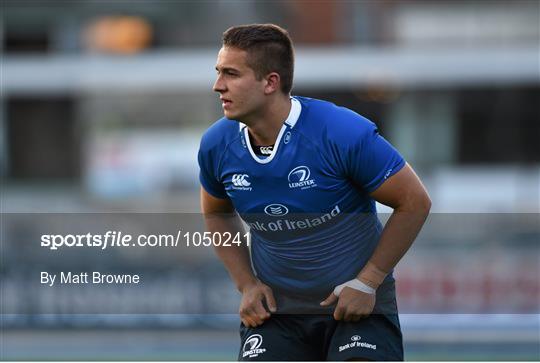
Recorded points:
219,85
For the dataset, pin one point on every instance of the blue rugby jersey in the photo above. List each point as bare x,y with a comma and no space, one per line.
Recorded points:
313,225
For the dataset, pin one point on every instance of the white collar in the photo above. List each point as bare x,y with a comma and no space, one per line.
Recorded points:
294,114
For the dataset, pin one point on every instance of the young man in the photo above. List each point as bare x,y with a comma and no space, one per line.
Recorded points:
304,174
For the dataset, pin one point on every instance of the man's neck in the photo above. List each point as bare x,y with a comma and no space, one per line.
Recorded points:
265,129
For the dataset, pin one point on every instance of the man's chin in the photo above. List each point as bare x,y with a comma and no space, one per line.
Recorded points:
230,115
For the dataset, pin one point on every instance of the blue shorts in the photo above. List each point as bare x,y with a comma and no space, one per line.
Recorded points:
292,336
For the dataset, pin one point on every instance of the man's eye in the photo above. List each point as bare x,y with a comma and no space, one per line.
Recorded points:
227,73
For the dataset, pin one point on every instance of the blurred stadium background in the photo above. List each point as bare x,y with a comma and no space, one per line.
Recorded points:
101,110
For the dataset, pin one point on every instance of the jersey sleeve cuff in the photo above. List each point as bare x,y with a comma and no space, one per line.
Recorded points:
211,191
398,167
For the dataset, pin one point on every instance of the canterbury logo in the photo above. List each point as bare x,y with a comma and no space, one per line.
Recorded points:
266,150
240,180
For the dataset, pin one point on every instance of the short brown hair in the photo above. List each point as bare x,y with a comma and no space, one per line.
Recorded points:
269,49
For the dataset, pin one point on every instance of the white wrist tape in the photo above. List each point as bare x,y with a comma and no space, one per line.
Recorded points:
354,284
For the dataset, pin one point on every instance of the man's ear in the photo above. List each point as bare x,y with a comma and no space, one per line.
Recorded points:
273,83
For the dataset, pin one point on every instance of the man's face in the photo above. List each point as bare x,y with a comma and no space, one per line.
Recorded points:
241,94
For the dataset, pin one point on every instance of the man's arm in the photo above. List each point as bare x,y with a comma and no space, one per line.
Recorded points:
405,193
220,217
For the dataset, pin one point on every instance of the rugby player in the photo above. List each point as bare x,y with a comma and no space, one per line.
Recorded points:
304,174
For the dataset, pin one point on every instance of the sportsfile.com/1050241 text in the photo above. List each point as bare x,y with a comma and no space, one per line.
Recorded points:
120,239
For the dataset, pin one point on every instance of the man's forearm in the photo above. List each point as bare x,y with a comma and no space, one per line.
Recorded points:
397,237
237,262
235,257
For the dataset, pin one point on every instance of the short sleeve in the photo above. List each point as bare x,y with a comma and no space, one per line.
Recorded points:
208,173
370,159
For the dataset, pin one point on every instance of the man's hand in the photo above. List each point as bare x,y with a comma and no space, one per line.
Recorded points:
352,304
252,311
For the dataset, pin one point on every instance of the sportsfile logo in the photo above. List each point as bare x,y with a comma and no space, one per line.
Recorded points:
252,346
299,177
241,182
